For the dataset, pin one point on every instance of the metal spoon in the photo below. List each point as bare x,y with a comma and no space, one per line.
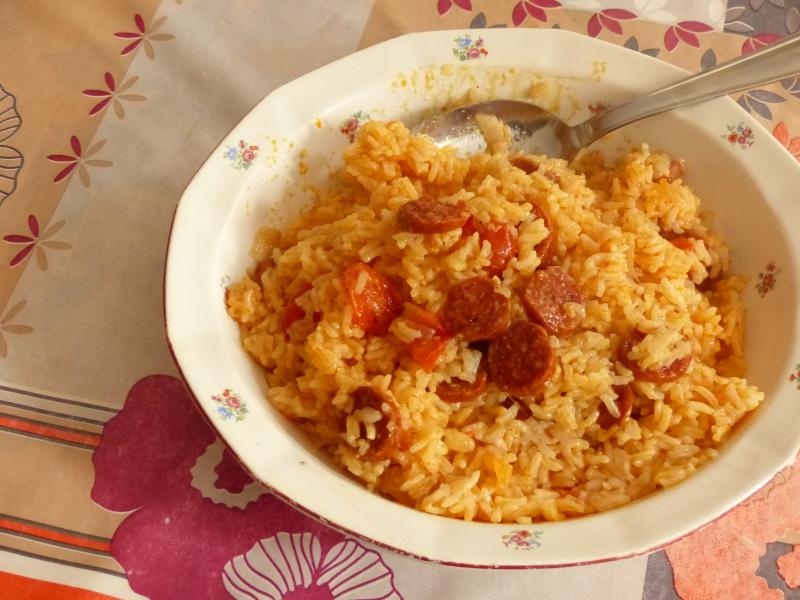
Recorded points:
536,130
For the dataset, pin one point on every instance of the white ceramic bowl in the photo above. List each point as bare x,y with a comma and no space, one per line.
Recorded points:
751,186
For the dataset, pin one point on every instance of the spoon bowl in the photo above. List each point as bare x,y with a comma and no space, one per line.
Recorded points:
538,131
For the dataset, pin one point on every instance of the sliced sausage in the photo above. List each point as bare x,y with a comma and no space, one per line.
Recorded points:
553,299
546,247
389,434
663,374
475,311
521,359
624,402
427,215
525,163
458,390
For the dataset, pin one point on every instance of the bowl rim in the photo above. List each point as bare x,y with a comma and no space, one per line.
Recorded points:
377,50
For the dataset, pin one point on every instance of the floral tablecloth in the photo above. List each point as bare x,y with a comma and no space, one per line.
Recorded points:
113,485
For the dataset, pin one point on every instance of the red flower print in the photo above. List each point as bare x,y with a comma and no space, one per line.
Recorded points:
113,95
445,5
732,137
608,19
247,155
143,36
781,133
685,31
78,161
6,326
232,402
533,8
757,42
37,242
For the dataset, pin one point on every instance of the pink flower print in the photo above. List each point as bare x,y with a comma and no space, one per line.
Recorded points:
767,279
79,161
7,326
781,133
36,242
143,36
443,6
740,134
608,18
241,155
532,8
232,402
113,95
685,31
757,42
473,53
287,565
161,462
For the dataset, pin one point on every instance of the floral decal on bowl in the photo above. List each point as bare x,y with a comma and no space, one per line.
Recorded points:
795,376
522,540
242,155
767,279
740,135
467,49
230,405
352,123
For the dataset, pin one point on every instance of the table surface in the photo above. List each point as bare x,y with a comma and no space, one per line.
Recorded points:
113,486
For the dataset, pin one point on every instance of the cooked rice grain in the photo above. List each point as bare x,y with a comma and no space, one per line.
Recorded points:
494,458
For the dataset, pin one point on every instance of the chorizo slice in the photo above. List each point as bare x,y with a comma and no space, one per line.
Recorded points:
475,311
624,402
663,374
459,390
553,300
389,433
521,359
427,215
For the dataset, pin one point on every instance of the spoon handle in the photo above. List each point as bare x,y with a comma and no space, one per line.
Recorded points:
765,66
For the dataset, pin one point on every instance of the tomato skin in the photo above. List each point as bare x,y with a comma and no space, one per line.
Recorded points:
377,304
426,351
293,313
683,243
425,321
503,239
